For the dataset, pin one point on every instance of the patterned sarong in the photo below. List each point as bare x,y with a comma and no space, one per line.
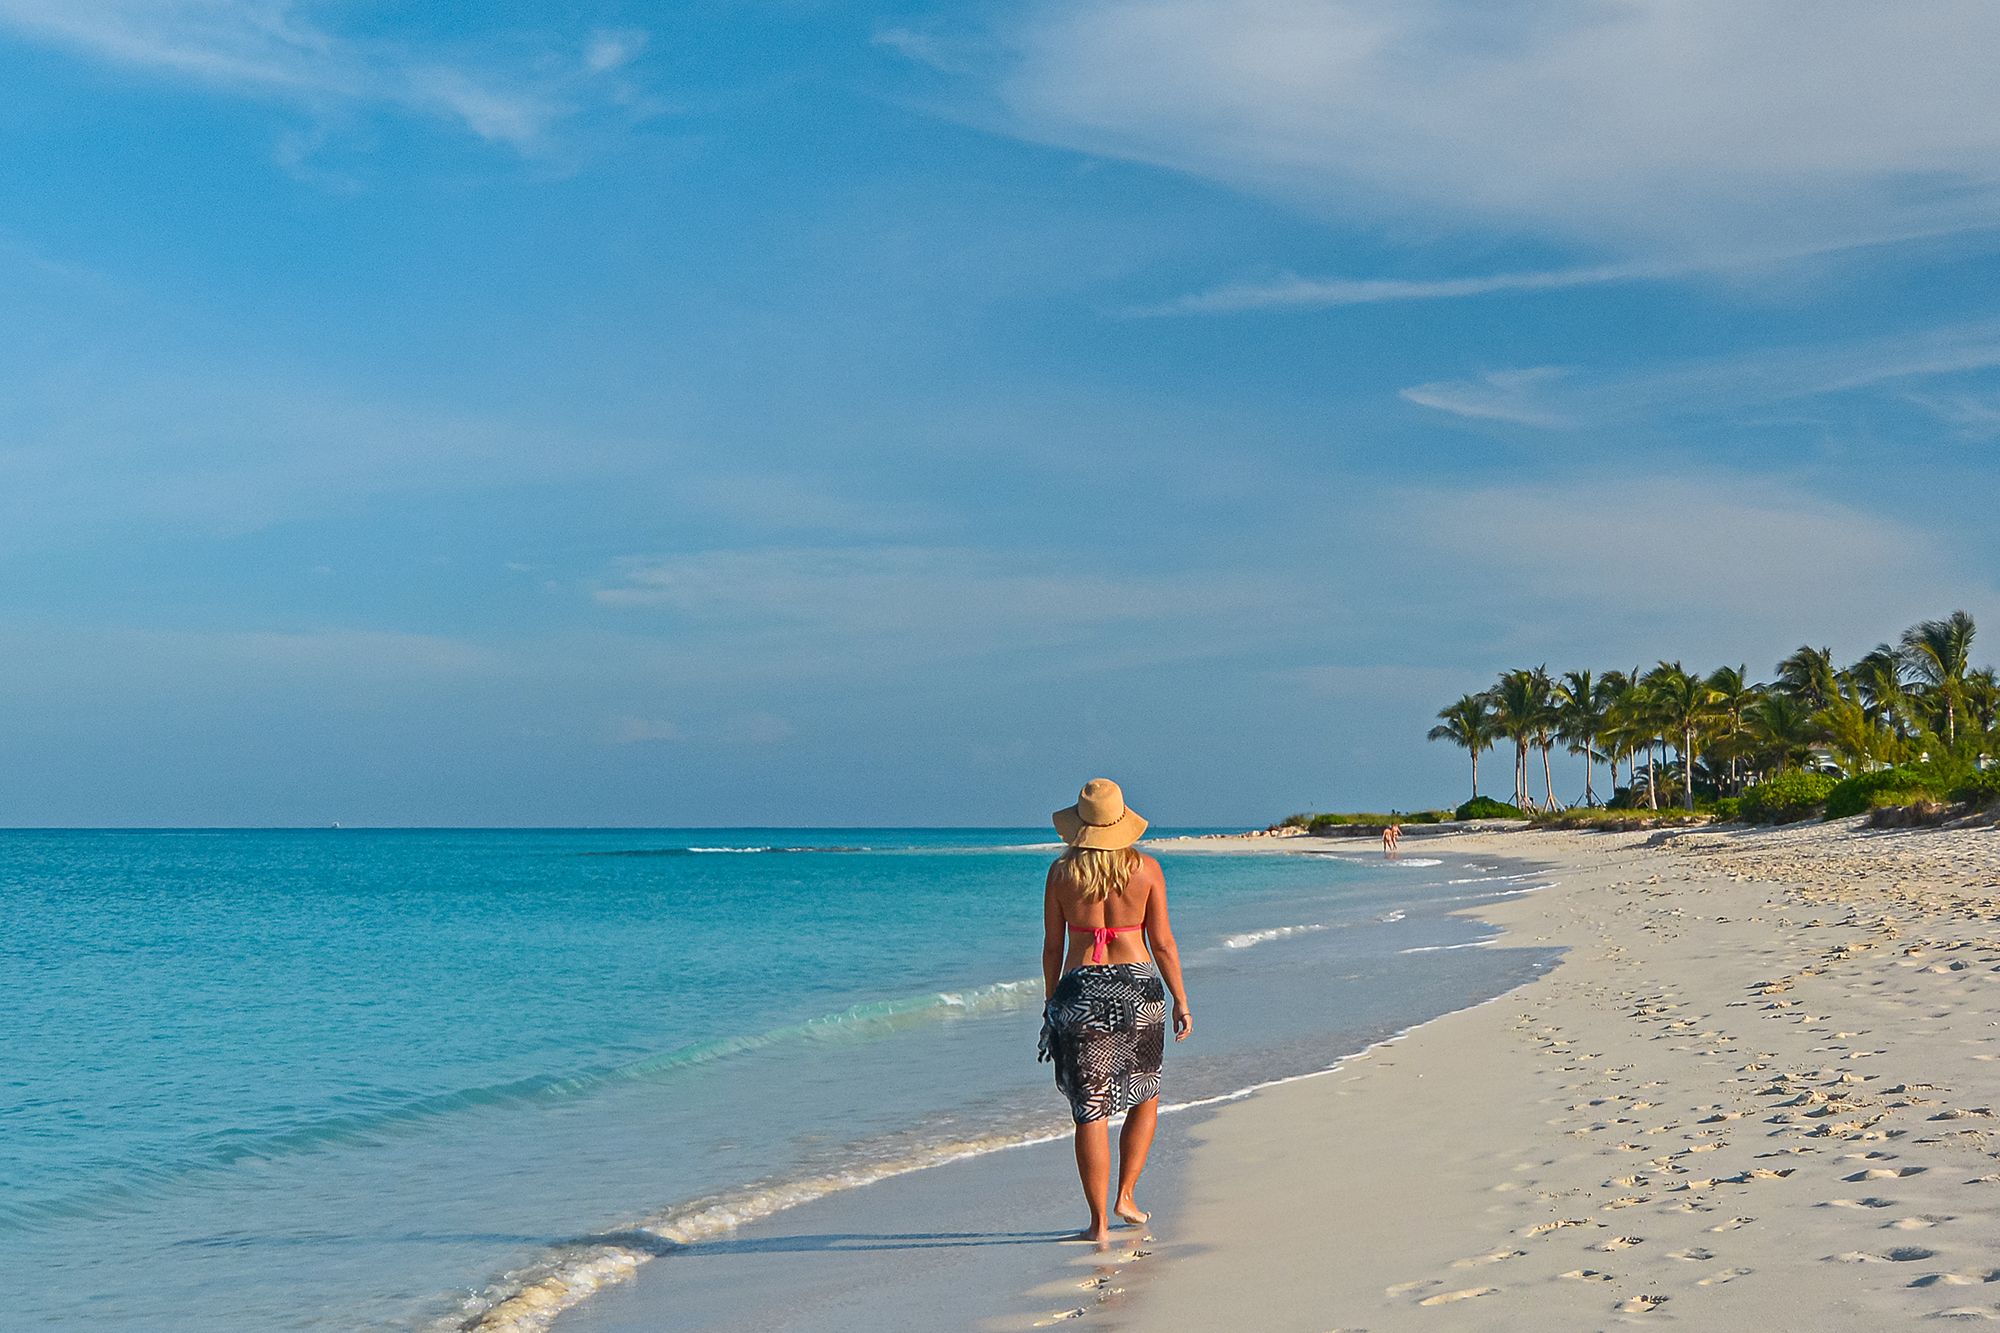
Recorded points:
1105,1029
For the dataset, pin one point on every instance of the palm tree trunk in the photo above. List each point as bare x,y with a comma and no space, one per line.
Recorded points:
1652,780
1475,771
1548,781
1687,763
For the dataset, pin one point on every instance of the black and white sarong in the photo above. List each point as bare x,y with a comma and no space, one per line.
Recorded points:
1105,1029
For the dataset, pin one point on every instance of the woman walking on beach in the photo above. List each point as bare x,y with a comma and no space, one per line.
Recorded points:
1105,1021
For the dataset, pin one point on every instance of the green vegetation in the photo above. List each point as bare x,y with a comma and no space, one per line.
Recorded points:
1485,807
1980,789
1791,795
1912,719
1884,786
1365,821
1617,821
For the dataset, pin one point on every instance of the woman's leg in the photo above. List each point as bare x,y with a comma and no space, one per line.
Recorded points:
1134,1142
1093,1166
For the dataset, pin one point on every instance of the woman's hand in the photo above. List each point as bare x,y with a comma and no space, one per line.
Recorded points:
1183,1024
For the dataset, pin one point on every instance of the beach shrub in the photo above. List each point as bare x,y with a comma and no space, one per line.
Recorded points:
1793,794
1614,820
1485,807
1901,810
1982,788
1852,796
1725,807
1366,821
1897,797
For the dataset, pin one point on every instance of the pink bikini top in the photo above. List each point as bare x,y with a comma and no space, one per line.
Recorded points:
1100,935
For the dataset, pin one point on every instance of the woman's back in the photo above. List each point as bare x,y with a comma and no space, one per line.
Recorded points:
1108,928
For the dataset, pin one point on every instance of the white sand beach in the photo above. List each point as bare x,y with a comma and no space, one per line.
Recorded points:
1758,1093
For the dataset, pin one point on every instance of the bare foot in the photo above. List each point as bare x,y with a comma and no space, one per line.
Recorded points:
1131,1212
1098,1234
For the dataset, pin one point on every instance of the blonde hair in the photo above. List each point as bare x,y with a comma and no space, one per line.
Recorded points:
1097,872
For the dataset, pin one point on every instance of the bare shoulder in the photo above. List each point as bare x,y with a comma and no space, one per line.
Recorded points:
1149,871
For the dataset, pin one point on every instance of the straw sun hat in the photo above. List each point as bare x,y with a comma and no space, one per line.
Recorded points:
1100,818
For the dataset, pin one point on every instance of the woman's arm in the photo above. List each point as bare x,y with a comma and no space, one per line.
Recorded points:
1053,936
1167,955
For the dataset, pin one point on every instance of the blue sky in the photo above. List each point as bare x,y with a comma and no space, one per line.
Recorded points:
811,413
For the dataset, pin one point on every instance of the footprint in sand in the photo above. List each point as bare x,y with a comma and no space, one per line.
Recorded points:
1497,1256
1733,1223
1448,1297
1642,1304
1726,1275
1950,1280
1694,1254
1059,1316
1904,1254
1544,1228
1886,1173
1917,1223
1620,1243
1587,1275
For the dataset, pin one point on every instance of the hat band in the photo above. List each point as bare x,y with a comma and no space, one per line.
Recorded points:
1106,824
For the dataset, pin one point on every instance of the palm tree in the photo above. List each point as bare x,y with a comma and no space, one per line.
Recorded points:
1808,676
1734,695
1581,703
1939,654
1546,720
1982,698
1879,678
1468,724
1518,700
1856,739
1613,735
1635,720
1686,707
1785,730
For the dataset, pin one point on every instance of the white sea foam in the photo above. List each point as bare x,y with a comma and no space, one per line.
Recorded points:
1416,861
531,1299
1447,948
1391,918
1251,938
1493,879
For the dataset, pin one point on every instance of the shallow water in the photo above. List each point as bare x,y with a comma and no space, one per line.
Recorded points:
352,1079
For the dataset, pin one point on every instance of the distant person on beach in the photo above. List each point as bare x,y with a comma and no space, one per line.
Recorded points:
1392,840
1104,1023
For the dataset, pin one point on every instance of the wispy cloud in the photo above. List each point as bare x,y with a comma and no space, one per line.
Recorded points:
274,49
1651,128
1732,563
833,611
1502,395
1292,290
1974,416
1545,396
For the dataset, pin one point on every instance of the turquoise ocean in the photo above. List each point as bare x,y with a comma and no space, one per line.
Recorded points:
355,1079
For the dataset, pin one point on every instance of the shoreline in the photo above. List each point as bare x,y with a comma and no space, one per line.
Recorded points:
1686,1117
981,1204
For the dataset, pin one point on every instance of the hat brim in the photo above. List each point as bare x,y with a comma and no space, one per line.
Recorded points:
1126,830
